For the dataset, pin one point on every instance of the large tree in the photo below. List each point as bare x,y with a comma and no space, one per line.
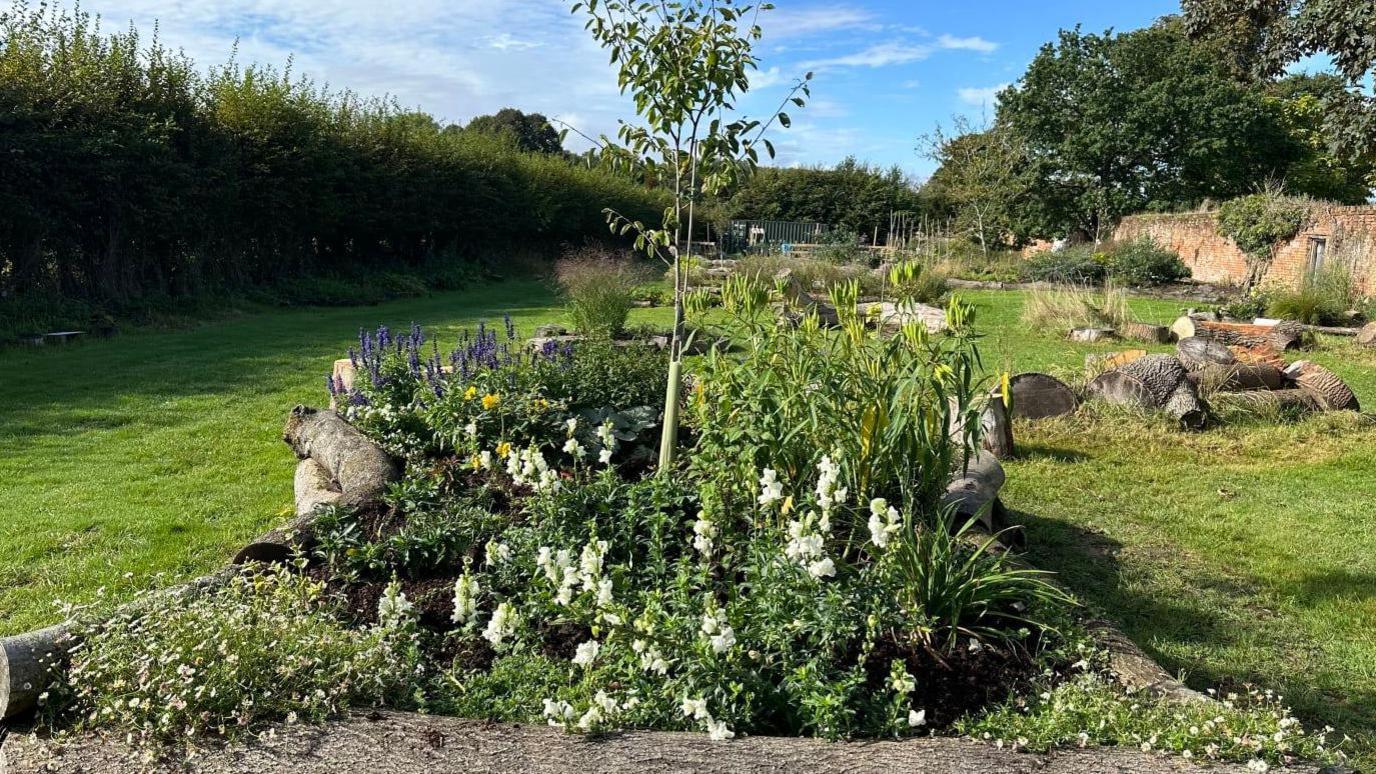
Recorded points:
530,131
1264,37
1114,124
1325,170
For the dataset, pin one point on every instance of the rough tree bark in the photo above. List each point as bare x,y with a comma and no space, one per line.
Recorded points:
1196,352
396,742
1367,335
1155,334
27,662
1153,381
1331,392
1039,396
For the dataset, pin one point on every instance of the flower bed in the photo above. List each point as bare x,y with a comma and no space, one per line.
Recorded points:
796,573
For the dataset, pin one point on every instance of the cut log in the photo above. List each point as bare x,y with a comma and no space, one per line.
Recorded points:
1282,336
1091,335
1154,334
1367,335
1331,392
1155,382
1299,401
360,468
313,489
974,488
997,427
1197,352
1241,376
1039,396
28,663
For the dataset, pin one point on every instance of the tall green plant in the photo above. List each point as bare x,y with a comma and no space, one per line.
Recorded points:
685,63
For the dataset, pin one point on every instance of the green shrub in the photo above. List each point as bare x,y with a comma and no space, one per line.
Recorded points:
600,289
1259,222
1141,263
266,648
1075,265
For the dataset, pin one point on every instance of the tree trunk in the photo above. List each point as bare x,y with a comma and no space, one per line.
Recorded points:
1367,335
1155,382
314,488
1198,352
974,488
1330,391
1240,376
27,664
1038,396
361,469
396,742
997,427
1154,334
1281,336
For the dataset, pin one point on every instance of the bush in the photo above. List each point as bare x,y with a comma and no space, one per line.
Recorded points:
266,648
1322,299
1076,265
1141,263
1259,222
600,289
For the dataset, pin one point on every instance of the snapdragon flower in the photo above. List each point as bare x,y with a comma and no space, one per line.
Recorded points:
771,489
586,653
558,713
704,532
884,522
501,626
901,681
393,609
720,634
571,424
485,460
471,429
828,494
607,437
496,553
590,562
651,660
466,592
604,592
822,568
717,730
695,708
917,718
574,449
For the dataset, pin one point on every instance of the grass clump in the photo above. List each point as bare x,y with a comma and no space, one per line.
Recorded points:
600,288
1059,310
1139,263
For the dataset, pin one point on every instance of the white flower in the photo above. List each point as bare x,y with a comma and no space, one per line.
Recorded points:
485,459
724,639
604,592
704,532
590,718
822,568
1258,765
497,553
571,424
917,718
587,653
884,521
472,429
393,609
573,447
590,561
558,712
771,489
828,494
695,708
903,683
652,661
465,599
717,730
605,456
502,624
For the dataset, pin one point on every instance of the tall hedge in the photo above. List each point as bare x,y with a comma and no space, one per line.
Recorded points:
126,172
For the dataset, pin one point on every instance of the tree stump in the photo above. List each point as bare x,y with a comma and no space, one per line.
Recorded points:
1039,396
1197,352
1367,335
1154,334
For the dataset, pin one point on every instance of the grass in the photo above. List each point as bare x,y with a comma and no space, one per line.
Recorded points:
1242,553
161,451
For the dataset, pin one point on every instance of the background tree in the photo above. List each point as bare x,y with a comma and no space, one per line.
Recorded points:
1114,124
1263,37
1323,170
852,195
684,62
981,177
531,132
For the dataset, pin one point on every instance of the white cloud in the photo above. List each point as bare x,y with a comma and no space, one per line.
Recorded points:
878,55
975,43
981,97
793,21
505,41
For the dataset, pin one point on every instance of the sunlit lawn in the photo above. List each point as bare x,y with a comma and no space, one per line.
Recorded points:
1235,553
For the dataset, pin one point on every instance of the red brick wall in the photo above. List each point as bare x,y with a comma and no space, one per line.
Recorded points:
1350,233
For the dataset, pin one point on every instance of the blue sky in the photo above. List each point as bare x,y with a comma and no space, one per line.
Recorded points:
887,71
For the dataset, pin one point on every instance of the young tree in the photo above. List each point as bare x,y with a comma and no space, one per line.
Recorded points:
685,63
981,175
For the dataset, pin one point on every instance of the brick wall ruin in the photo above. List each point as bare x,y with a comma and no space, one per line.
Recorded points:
1335,236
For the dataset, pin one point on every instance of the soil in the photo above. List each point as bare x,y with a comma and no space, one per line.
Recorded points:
952,684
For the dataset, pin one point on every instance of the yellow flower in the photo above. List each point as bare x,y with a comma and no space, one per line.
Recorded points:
476,462
541,404
503,449
491,400
470,393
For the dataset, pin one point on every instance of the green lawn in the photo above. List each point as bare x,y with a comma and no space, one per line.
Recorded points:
1235,553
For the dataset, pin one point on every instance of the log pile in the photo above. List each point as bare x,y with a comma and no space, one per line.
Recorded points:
1281,337
1153,382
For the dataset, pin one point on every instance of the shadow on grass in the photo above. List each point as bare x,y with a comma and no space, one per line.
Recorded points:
1036,451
